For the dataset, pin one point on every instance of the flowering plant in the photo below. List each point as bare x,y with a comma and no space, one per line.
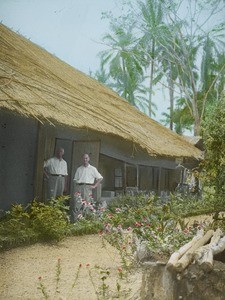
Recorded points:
152,223
86,208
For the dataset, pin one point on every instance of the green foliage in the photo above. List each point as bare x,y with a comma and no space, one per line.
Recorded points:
36,222
182,52
188,206
127,221
48,221
127,201
214,141
126,210
149,220
84,226
15,228
182,118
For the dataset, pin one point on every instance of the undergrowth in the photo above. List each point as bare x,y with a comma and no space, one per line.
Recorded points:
150,218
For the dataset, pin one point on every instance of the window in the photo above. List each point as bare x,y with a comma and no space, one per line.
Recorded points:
118,178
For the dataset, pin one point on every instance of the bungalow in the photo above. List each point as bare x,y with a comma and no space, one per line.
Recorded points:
46,103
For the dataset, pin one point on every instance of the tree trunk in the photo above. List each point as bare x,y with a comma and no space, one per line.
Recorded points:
171,93
197,121
151,79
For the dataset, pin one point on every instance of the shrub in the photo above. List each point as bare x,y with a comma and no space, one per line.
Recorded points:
127,201
210,203
145,217
15,228
213,131
48,221
36,222
84,226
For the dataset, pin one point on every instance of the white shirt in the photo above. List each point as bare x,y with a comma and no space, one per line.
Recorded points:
87,174
56,166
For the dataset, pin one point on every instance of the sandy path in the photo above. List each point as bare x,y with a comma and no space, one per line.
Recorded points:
20,269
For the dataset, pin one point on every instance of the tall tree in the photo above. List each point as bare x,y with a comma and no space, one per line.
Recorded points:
214,139
121,59
185,44
151,13
153,41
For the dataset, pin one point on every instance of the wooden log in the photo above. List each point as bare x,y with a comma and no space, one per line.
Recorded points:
180,252
206,263
199,253
220,247
187,258
204,255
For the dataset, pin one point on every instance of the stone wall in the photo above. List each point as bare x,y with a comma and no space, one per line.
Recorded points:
193,284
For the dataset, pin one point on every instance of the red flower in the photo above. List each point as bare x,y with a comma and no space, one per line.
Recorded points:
185,231
87,265
120,270
80,265
137,224
40,278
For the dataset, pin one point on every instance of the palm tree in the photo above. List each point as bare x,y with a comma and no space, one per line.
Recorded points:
183,51
151,20
101,75
159,45
121,59
186,46
182,118
212,72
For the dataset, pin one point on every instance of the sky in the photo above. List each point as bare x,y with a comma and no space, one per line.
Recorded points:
70,29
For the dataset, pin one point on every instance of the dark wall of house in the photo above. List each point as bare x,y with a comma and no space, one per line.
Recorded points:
17,159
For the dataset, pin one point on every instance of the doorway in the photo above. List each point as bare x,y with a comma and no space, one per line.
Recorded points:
73,156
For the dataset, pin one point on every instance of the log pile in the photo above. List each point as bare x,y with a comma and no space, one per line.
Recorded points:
200,249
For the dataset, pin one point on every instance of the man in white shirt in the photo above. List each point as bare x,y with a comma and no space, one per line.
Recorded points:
55,170
86,178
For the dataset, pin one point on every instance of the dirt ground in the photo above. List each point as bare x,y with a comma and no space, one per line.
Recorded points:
21,269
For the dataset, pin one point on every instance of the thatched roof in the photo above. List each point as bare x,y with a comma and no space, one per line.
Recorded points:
37,84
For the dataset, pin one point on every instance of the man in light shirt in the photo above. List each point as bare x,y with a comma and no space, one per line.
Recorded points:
55,171
86,178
